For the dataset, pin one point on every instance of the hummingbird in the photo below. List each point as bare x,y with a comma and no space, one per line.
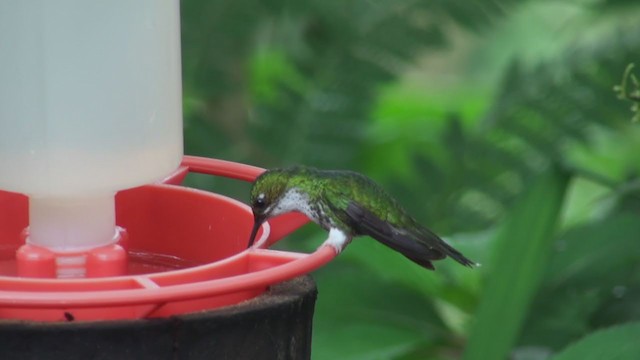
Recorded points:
347,204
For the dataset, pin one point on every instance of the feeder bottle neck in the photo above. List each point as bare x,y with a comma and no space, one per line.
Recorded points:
72,224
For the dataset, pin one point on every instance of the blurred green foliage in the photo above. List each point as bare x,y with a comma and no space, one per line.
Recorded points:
494,122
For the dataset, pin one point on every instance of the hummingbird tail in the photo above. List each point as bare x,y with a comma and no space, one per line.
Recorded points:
434,242
455,254
423,254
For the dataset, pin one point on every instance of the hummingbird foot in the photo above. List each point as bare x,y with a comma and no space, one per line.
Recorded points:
337,239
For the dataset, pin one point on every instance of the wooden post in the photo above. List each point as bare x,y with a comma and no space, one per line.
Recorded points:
275,325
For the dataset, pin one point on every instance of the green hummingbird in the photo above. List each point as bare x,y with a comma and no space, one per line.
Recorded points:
347,204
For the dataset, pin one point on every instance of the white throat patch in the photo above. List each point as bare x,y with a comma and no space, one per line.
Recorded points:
293,200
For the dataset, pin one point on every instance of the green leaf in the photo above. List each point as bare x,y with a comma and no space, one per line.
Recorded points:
521,251
363,342
360,315
589,282
583,253
615,343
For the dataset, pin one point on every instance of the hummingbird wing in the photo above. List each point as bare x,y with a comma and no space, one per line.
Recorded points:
421,247
354,198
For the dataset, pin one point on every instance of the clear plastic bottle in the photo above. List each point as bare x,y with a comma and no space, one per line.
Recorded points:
90,103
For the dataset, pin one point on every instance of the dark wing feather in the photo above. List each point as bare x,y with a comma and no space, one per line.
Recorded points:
416,247
447,249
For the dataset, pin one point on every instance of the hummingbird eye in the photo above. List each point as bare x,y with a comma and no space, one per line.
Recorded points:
259,202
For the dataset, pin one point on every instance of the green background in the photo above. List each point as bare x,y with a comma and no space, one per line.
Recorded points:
494,122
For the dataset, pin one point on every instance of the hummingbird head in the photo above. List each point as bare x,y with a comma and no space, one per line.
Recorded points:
266,193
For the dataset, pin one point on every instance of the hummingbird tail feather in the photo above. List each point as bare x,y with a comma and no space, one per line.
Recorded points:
446,249
455,254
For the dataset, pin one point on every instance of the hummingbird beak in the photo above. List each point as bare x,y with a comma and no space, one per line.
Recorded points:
257,221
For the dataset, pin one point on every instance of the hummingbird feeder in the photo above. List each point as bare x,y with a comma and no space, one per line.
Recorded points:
103,253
